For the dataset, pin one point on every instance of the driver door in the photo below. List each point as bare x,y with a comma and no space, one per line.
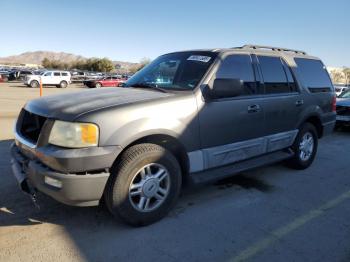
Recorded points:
231,128
46,78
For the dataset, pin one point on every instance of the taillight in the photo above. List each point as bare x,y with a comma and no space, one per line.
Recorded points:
334,104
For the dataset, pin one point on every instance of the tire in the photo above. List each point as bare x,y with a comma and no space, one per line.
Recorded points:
134,177
34,84
304,152
98,85
63,84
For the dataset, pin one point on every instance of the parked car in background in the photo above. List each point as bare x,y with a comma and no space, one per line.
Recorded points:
193,115
78,76
343,108
4,75
20,74
49,78
104,82
2,79
340,89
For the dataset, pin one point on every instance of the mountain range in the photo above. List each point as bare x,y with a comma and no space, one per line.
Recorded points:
36,57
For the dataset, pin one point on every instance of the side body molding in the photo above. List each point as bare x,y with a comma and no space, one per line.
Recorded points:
227,154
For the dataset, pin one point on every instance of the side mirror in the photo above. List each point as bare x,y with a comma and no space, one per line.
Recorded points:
225,87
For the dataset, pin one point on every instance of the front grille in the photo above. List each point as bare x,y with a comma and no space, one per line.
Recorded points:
343,110
30,125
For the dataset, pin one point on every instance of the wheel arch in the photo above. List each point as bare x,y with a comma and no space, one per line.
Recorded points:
34,80
169,142
315,120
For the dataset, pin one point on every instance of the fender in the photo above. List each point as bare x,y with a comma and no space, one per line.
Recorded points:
310,111
132,131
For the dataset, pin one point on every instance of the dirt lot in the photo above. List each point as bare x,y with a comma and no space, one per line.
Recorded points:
13,95
268,214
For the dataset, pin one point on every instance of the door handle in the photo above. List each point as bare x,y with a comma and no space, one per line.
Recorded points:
253,108
299,102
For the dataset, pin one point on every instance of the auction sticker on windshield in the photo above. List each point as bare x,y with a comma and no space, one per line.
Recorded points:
200,58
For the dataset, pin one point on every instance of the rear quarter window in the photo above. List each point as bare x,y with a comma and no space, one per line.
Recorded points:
313,74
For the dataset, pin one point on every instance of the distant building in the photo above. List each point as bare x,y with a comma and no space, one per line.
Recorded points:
18,65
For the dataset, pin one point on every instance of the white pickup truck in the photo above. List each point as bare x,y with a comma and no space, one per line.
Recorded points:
49,78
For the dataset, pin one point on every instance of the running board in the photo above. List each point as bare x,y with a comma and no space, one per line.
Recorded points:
232,169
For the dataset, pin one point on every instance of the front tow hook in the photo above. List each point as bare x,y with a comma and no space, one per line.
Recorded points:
31,192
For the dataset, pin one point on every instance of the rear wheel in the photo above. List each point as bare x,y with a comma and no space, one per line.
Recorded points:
304,147
144,185
34,84
63,84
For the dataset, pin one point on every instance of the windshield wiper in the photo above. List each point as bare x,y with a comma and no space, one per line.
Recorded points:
145,85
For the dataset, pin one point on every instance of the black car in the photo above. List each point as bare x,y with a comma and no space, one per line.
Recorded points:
19,75
343,109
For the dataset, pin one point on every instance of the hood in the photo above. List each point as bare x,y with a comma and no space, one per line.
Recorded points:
343,102
69,106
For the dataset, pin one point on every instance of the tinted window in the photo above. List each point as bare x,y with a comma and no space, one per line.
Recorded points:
239,67
313,73
56,74
48,74
290,78
64,74
274,75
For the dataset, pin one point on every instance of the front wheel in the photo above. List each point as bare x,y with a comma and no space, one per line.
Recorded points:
98,85
304,147
144,185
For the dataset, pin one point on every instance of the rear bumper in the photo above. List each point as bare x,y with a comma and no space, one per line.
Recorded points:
328,128
71,189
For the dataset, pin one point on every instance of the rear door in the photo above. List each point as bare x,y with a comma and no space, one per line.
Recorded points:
56,79
283,103
231,128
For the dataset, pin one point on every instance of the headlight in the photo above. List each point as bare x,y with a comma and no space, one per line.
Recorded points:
74,135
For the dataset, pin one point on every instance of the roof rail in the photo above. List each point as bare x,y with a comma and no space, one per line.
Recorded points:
281,49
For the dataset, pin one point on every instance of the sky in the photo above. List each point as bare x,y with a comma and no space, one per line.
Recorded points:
130,30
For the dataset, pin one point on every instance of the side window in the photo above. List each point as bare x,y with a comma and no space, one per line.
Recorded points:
64,74
239,67
313,73
48,74
275,78
57,74
291,82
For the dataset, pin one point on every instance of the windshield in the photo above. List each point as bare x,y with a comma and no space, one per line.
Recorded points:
177,71
345,94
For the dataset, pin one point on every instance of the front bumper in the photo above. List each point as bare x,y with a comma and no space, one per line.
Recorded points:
74,189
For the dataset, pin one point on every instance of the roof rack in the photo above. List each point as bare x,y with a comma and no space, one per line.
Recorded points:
281,49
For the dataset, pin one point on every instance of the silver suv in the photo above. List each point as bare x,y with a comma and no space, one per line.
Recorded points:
196,115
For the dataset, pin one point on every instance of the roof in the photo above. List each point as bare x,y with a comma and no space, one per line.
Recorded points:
286,53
